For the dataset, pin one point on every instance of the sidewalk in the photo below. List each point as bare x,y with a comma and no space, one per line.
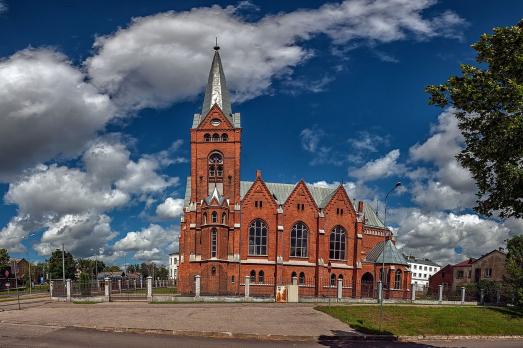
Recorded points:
267,321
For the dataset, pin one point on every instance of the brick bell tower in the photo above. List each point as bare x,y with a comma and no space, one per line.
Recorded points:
207,236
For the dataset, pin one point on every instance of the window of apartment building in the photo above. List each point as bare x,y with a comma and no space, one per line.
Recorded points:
425,268
430,269
214,242
488,273
415,267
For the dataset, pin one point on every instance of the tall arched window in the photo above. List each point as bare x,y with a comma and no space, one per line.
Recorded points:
299,238
207,137
301,280
397,280
225,137
261,277
333,279
224,218
215,165
214,242
253,276
293,275
257,238
216,137
214,217
337,243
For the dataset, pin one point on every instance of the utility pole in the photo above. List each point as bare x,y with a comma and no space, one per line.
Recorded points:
30,280
63,264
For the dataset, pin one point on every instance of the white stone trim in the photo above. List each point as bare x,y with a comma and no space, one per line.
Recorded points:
322,231
260,261
299,263
280,228
192,225
360,235
341,265
237,225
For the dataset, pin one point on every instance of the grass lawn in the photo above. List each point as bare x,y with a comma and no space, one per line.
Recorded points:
418,320
164,291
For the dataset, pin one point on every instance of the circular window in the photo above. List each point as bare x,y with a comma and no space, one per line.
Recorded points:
215,122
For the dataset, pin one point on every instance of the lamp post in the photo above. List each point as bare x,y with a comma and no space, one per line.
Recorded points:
398,184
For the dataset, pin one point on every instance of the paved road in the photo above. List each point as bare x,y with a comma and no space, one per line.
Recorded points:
45,336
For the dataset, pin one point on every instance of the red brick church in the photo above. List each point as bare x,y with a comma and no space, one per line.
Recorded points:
271,232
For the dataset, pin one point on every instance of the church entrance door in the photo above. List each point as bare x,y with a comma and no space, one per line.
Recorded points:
367,285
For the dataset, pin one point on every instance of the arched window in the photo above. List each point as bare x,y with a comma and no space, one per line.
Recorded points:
333,279
225,137
214,217
257,238
207,137
337,243
204,218
253,276
293,275
261,277
397,280
216,165
302,278
214,242
299,243
224,218
215,137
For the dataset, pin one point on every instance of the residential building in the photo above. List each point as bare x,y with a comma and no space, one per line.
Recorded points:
490,266
421,270
270,233
174,262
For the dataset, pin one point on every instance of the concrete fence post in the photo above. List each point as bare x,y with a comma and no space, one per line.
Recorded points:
339,290
51,288
413,292
462,295
120,285
294,280
107,289
197,285
68,289
141,283
380,291
440,295
247,285
134,282
482,297
149,288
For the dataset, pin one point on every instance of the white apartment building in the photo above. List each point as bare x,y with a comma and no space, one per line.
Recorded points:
174,261
422,270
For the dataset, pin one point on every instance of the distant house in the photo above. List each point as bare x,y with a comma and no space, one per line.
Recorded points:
174,262
490,266
422,270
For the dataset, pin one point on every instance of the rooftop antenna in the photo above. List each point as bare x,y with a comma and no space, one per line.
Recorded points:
216,47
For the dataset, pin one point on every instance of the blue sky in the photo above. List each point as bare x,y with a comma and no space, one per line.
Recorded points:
96,101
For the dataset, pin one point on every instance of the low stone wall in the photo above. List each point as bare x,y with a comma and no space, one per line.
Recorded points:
231,299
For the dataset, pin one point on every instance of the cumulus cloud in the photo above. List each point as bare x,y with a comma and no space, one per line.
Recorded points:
437,234
379,168
356,191
146,64
151,243
3,7
63,200
46,110
171,208
449,186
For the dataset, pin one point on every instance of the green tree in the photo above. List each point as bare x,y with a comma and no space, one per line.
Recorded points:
112,268
488,102
55,265
162,273
90,266
4,257
514,267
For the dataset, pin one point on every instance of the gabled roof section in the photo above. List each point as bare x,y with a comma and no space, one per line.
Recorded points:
466,263
216,91
215,196
264,186
301,183
215,113
390,255
371,218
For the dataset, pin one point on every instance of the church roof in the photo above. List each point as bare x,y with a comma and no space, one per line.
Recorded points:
215,195
281,192
216,91
391,255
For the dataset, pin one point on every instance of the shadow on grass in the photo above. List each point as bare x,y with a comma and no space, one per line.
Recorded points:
344,339
513,312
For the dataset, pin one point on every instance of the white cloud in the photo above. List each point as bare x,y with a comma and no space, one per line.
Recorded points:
356,191
379,168
151,243
3,7
46,110
450,186
436,234
171,208
147,63
62,200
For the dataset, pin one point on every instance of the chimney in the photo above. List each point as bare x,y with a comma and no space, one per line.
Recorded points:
360,207
258,173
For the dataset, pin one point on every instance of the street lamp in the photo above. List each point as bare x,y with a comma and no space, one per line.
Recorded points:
398,184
